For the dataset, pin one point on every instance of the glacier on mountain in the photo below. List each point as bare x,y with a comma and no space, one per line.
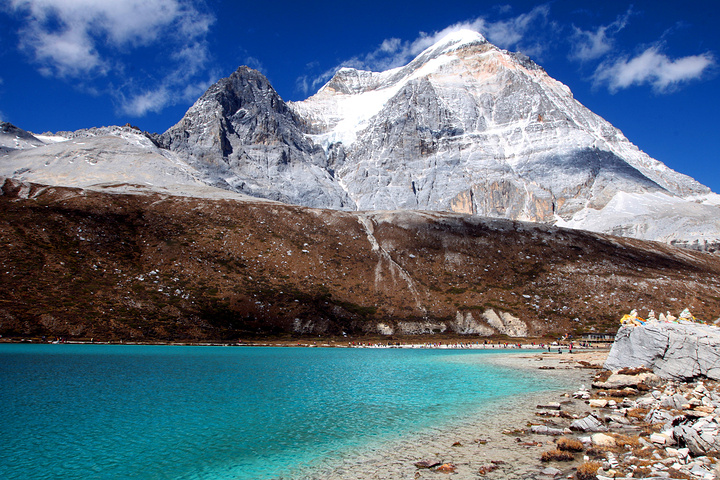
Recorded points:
464,127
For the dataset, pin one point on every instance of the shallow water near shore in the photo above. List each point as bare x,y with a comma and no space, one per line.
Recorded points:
172,412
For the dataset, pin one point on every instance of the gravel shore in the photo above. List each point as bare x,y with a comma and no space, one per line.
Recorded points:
497,446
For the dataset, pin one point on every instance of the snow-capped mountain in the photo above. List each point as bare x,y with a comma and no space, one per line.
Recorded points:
468,127
464,127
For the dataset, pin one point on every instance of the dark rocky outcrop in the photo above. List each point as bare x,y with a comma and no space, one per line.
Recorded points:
12,137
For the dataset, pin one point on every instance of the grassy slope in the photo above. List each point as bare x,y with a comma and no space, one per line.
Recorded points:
87,264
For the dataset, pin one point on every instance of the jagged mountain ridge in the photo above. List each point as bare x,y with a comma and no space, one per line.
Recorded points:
468,127
242,131
464,127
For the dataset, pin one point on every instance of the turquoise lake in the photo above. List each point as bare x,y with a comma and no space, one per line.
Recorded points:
173,412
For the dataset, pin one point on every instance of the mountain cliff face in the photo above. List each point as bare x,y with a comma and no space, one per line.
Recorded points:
244,135
464,127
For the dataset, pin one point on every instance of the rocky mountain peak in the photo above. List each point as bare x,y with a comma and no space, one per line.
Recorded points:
455,40
350,81
244,89
246,138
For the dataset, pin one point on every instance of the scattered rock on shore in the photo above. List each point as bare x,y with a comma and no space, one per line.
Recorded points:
671,431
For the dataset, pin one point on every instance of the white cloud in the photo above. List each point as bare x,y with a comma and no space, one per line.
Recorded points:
151,101
193,91
172,89
302,84
512,33
65,35
653,68
515,33
591,45
86,39
70,53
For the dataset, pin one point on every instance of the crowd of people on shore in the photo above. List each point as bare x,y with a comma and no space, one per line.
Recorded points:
552,346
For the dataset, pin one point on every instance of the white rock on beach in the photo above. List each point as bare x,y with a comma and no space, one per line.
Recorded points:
588,424
603,440
679,351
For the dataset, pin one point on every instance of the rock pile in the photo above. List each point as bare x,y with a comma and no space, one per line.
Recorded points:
640,426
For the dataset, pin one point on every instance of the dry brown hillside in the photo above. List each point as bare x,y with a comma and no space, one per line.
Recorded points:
78,263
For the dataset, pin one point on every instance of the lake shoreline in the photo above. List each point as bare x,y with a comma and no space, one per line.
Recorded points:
415,341
499,443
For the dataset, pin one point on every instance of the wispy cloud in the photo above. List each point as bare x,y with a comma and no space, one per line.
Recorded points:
593,44
169,91
521,32
151,101
617,70
254,63
85,39
654,68
510,33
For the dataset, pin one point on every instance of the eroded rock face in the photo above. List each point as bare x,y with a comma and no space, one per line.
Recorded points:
506,323
242,134
485,325
466,324
679,351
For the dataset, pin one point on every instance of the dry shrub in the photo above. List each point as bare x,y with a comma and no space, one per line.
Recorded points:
557,455
627,441
644,454
569,444
634,371
485,469
446,468
603,376
674,473
625,392
588,471
650,429
642,471
638,413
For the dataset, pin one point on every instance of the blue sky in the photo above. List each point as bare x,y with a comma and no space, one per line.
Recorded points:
651,68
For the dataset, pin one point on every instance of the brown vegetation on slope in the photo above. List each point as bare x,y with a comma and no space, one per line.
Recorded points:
151,267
